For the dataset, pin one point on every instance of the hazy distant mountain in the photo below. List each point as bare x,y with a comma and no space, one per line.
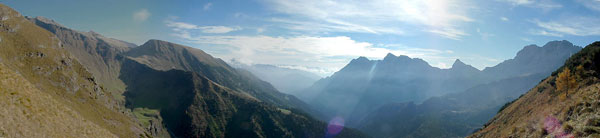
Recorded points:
459,114
454,115
533,59
363,84
283,79
158,89
555,108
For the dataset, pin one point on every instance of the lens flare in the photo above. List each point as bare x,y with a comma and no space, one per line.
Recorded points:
335,126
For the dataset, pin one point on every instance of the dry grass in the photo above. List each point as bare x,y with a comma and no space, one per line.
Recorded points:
526,116
28,112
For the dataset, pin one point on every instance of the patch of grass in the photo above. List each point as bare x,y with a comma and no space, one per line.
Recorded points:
144,115
285,111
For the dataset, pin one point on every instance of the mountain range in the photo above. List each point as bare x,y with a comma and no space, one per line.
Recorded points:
453,102
103,87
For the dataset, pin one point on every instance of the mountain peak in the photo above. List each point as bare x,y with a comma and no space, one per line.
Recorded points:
45,20
162,43
552,46
462,66
389,56
458,63
361,58
155,41
563,43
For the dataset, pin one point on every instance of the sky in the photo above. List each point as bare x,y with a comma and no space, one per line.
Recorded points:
322,36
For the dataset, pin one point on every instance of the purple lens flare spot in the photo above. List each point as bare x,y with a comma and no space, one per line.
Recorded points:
335,126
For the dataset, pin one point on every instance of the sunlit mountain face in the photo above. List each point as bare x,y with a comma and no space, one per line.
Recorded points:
299,68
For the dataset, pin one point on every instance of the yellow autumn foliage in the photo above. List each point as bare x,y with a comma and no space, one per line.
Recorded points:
566,81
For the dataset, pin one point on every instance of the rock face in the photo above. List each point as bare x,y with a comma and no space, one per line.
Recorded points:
53,76
548,110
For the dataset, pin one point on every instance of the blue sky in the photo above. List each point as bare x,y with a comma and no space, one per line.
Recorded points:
323,35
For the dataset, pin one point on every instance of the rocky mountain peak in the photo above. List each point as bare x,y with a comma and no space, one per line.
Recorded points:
45,20
458,63
389,56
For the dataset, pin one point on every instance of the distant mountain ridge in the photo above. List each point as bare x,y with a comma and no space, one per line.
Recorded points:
459,114
364,85
532,59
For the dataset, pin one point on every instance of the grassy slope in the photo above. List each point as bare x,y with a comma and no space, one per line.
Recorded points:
575,115
28,112
39,57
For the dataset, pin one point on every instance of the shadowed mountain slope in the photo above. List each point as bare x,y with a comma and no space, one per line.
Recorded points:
162,55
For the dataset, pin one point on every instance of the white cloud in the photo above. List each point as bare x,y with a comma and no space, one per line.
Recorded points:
578,26
504,19
545,33
141,15
186,27
449,33
590,4
441,17
260,30
526,39
484,35
544,5
520,2
218,29
207,6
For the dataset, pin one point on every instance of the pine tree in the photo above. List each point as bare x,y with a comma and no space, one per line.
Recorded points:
566,81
